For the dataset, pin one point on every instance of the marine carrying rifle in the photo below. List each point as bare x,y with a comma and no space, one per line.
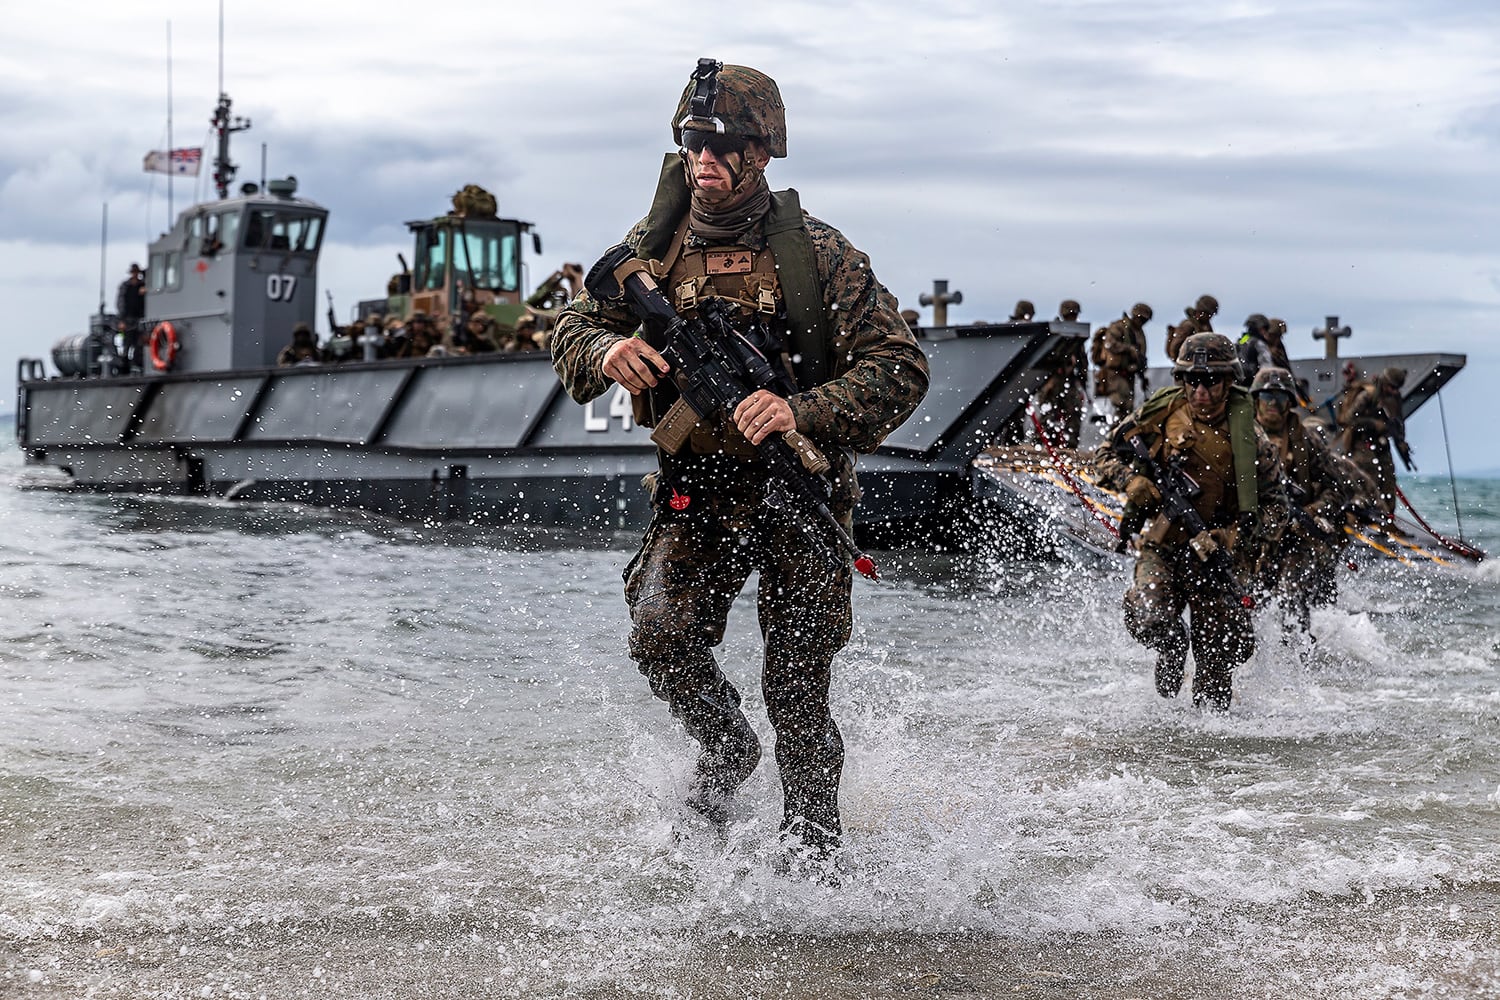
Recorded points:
1177,491
714,367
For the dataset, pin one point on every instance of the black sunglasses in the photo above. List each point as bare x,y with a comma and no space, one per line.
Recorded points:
1201,379
1279,397
717,143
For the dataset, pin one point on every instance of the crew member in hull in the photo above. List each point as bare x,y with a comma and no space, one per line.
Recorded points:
130,310
716,229
1205,427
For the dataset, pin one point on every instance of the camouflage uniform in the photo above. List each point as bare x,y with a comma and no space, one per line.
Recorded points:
302,350
693,562
1060,400
1239,495
1299,567
1370,414
477,335
1119,351
1199,320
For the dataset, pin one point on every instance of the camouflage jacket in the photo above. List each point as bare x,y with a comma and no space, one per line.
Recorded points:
1182,331
1314,482
1120,347
878,372
1369,418
1230,496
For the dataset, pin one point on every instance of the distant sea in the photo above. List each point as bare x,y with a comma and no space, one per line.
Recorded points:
268,751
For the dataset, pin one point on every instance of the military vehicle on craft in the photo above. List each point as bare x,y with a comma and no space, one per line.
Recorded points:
470,258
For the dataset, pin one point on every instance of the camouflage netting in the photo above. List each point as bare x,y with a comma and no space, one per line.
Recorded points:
474,202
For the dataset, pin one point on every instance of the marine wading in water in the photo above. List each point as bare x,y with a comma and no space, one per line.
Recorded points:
853,371
1201,432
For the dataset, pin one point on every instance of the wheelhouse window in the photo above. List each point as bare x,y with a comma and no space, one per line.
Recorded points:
221,231
164,271
279,230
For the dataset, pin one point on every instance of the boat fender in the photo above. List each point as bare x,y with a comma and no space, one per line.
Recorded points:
163,346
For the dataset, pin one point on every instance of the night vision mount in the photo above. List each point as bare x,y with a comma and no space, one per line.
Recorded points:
705,82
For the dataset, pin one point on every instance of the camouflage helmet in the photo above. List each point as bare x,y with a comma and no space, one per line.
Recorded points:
1394,377
1208,352
1208,304
1069,309
734,100
1278,326
1257,322
1140,312
1024,310
1273,379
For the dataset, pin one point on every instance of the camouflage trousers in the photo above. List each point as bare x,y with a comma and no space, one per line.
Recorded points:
680,586
1374,458
1301,573
1167,583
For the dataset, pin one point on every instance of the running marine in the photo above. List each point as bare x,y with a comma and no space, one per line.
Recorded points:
717,230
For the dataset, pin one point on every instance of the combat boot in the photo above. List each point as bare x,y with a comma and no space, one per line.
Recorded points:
730,754
1171,659
810,852
811,832
1212,689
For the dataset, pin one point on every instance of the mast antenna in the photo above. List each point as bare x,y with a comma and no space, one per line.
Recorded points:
224,124
169,124
103,249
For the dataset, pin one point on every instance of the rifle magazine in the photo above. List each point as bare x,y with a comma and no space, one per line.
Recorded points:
673,430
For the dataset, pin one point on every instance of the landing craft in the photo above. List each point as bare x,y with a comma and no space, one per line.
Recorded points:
480,438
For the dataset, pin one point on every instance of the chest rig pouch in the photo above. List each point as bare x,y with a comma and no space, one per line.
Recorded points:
745,279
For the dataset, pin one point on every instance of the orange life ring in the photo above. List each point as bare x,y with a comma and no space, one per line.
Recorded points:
163,331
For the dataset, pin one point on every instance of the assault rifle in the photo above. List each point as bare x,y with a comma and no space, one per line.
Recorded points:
333,317
1177,492
715,366
1296,494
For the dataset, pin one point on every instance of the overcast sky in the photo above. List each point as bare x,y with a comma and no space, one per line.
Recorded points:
1296,159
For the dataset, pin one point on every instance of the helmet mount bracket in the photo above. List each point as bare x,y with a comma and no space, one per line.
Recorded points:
705,94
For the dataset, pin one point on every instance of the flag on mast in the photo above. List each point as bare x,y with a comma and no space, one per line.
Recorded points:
180,161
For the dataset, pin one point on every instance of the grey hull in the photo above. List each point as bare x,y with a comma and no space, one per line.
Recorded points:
490,438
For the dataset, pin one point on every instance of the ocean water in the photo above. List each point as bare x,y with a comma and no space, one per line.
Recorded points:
279,752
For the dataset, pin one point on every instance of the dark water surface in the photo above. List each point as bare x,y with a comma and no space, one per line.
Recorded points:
270,752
